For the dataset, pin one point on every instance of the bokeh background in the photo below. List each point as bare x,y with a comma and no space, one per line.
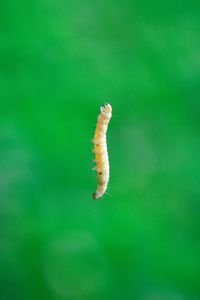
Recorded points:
60,60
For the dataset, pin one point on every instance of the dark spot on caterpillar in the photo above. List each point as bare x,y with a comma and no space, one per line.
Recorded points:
100,173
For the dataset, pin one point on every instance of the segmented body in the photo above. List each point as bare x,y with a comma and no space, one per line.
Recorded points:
100,150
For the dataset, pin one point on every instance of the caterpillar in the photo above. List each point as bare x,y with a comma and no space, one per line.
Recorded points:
100,150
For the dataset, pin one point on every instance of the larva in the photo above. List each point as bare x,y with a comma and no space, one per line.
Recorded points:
100,150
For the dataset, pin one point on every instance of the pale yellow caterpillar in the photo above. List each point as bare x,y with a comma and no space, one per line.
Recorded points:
100,150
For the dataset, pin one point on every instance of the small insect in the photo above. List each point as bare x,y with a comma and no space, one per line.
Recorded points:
100,150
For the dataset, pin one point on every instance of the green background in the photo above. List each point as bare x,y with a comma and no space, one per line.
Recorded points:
60,61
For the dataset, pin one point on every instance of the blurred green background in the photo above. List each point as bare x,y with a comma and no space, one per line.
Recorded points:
60,61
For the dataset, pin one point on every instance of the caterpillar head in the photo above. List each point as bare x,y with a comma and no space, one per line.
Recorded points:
94,196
